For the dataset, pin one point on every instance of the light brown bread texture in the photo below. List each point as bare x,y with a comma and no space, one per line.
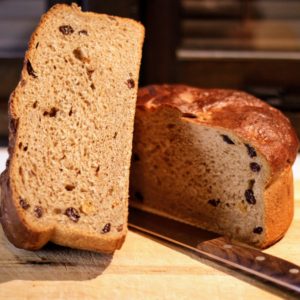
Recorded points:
218,159
71,123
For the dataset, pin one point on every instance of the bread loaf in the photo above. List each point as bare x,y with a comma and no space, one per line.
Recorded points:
217,159
71,123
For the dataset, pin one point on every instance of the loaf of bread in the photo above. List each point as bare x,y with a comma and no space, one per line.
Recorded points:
71,124
217,159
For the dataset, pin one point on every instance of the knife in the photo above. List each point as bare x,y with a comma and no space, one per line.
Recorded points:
265,267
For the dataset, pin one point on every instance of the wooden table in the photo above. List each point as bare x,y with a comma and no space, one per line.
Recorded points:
143,269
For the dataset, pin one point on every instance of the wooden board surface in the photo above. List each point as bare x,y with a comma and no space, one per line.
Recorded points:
144,269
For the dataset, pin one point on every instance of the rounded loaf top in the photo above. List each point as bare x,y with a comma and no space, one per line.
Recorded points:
265,127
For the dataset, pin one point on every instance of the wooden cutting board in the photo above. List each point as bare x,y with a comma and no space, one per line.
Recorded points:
143,269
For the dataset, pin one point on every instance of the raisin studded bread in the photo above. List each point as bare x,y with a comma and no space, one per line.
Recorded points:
71,124
218,159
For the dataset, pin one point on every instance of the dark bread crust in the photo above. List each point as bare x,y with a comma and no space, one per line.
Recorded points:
12,217
265,127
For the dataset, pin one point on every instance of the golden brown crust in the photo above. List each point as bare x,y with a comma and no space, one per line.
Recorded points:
279,207
11,217
86,242
265,127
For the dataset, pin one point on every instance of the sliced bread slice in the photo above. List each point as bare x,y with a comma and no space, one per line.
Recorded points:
71,123
218,159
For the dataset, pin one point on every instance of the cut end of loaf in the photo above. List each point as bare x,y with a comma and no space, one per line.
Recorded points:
205,176
196,160
71,130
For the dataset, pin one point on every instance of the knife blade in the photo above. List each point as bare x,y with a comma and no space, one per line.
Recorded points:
263,266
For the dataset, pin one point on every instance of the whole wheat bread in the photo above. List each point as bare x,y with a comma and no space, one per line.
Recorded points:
71,123
218,159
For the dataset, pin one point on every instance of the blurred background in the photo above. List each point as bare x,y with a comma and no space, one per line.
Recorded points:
249,45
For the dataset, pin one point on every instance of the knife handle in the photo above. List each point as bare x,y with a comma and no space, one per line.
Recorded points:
263,266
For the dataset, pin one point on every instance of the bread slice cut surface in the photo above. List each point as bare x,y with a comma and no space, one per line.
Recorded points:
71,123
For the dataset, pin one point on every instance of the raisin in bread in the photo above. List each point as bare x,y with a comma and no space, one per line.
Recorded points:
71,124
218,159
